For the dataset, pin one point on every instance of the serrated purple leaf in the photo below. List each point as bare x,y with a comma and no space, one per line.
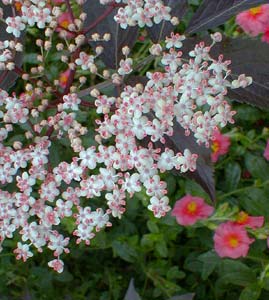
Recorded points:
159,31
131,293
250,57
112,53
213,13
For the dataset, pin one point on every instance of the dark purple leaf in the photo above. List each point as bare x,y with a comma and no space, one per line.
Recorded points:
119,38
213,13
159,31
131,293
248,56
203,174
188,296
8,78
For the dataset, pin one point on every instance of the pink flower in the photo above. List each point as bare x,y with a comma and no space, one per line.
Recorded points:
64,78
189,209
220,145
231,240
254,20
64,20
58,2
265,37
249,221
266,151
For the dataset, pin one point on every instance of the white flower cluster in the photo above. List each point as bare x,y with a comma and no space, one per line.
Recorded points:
126,157
34,12
141,13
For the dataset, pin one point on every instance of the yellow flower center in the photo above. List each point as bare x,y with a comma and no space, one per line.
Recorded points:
255,10
192,207
215,147
242,217
63,79
18,6
64,24
233,242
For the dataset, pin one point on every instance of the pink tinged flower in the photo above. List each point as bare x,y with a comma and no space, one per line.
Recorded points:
189,209
57,265
22,252
220,145
125,66
253,20
249,221
231,240
159,207
266,151
15,25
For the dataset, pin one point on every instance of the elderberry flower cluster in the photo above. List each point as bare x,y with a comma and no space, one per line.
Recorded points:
38,191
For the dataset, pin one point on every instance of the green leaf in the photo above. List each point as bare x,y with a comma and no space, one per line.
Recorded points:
188,296
247,113
257,166
251,292
255,201
210,262
174,273
232,176
124,251
237,273
153,227
161,248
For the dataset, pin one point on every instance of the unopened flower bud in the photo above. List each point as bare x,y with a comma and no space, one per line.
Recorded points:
174,21
216,37
106,74
107,37
155,49
95,93
17,145
82,79
99,50
60,46
39,42
95,36
125,50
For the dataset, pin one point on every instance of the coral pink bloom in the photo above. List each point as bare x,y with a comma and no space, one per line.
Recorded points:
231,240
249,221
63,78
189,209
265,37
220,145
266,151
253,20
64,20
57,2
